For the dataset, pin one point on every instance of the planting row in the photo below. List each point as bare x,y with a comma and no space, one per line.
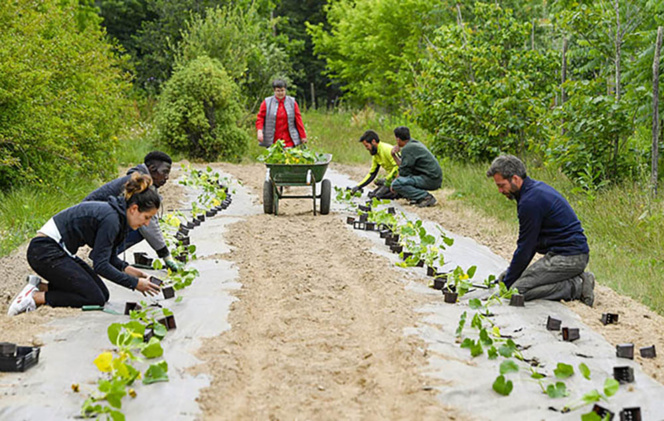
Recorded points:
417,247
141,337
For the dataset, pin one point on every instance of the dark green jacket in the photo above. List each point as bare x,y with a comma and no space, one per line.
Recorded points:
416,159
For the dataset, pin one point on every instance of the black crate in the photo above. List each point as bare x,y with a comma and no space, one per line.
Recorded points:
623,374
630,414
359,225
603,412
609,318
26,357
7,349
648,352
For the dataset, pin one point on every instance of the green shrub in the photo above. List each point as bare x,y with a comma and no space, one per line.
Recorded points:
198,112
62,94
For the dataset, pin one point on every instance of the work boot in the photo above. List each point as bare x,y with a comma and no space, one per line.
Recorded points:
587,289
427,201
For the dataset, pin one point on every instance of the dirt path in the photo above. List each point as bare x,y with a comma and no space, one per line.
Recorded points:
317,332
638,324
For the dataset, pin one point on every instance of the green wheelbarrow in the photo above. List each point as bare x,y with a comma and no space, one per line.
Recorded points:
279,176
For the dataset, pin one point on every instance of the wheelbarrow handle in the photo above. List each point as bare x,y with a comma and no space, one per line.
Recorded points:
309,176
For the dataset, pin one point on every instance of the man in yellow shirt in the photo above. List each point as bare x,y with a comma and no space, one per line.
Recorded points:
381,156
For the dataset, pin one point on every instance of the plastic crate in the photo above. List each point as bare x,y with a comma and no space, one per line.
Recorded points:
26,357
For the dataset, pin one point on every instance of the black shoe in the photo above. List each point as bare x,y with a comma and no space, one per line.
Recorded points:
426,202
587,289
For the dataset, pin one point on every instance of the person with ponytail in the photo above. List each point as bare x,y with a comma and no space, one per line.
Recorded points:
101,226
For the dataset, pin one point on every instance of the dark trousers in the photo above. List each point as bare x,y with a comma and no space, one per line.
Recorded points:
553,277
71,282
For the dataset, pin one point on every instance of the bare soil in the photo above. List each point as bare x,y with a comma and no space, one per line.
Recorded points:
317,332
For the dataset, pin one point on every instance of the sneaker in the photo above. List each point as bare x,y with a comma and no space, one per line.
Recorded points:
23,301
413,202
427,201
33,280
587,289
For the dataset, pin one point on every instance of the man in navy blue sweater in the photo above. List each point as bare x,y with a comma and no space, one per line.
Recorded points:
549,226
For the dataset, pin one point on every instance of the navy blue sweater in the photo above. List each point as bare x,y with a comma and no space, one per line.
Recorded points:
547,223
102,226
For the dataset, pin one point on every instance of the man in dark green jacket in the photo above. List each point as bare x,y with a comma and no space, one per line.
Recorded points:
419,170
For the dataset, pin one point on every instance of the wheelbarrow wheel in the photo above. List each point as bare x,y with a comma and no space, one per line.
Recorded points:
325,194
268,197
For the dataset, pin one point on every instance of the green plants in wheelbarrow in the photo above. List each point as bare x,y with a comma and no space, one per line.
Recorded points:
279,154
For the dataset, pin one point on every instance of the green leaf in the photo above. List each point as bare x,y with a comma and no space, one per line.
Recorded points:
462,323
585,371
477,321
591,397
611,386
501,386
157,372
484,337
113,332
537,375
448,241
157,265
153,348
467,343
475,303
559,390
476,349
507,349
179,298
563,371
159,330
471,271
492,353
591,416
508,366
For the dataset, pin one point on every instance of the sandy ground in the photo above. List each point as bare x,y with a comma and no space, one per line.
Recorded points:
14,268
638,324
317,332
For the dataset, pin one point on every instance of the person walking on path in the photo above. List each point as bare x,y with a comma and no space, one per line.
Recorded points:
549,226
419,170
157,165
279,118
101,226
381,156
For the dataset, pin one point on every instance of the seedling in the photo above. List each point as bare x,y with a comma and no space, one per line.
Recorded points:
611,386
570,334
625,351
553,323
648,352
609,318
630,414
623,374
517,300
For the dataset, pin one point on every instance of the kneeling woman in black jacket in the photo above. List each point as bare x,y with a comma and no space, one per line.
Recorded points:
100,225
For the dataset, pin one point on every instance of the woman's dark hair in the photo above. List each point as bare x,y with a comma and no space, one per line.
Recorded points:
402,133
157,156
368,136
279,83
139,190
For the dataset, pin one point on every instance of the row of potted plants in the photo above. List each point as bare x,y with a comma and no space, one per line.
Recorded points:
140,339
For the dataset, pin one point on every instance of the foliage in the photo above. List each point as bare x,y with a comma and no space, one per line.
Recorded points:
482,90
198,112
241,39
279,154
62,94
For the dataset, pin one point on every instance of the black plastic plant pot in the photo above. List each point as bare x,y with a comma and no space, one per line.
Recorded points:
156,281
630,414
140,257
603,413
370,226
179,236
181,258
420,263
185,241
609,318
131,306
183,229
219,208
396,248
196,222
24,358
396,237
359,225
210,213
625,351
385,233
7,349
168,321
648,352
406,254
364,208
571,334
432,271
350,220
389,241
450,297
364,217
517,300
623,374
439,284
201,217
148,334
553,324
168,292
190,225
391,210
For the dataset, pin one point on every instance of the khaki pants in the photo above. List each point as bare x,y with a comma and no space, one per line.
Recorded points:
553,277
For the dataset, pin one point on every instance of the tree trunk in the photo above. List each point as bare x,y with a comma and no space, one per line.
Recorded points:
655,112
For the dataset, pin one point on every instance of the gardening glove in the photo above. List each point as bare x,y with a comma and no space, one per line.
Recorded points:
172,264
355,189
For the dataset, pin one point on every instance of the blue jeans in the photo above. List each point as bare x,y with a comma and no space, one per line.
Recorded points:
414,187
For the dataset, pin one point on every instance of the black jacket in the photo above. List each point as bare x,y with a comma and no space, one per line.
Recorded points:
102,226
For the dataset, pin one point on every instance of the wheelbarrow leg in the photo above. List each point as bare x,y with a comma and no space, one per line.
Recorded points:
277,195
313,189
